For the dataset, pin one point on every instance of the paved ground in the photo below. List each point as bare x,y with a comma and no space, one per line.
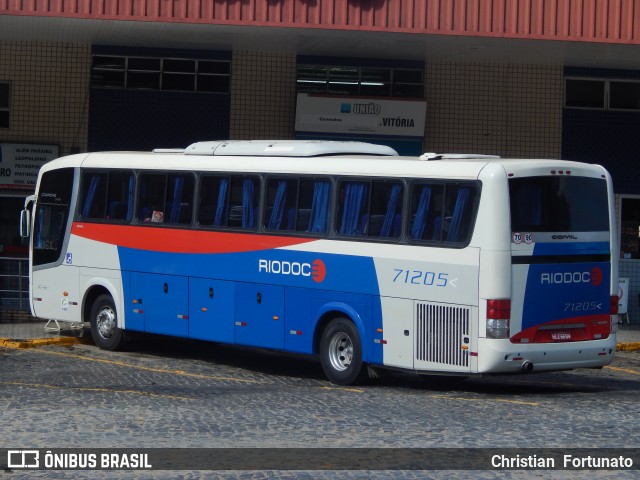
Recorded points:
181,394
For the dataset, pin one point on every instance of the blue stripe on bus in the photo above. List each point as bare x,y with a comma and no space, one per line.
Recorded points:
571,248
309,282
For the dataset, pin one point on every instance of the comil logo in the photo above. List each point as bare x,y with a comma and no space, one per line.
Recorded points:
316,270
593,277
564,237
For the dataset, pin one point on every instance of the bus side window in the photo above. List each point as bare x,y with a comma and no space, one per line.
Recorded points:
179,199
370,208
243,201
460,204
457,225
353,206
425,216
120,196
385,217
94,195
151,193
213,208
313,206
107,196
281,204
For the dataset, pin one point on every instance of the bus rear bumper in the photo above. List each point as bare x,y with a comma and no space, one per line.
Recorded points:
502,356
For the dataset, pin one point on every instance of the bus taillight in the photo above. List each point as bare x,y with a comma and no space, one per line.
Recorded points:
614,299
614,304
498,318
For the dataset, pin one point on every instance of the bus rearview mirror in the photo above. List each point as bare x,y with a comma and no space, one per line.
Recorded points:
25,223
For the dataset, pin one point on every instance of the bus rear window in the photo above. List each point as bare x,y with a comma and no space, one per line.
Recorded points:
558,204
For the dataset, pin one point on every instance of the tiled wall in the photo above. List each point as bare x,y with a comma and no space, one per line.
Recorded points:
263,95
509,110
49,93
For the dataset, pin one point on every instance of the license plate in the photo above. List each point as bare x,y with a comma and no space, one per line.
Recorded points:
561,336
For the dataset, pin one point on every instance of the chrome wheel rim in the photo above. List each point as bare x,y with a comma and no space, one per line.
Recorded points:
340,351
106,322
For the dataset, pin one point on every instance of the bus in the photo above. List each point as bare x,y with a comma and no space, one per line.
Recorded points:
455,265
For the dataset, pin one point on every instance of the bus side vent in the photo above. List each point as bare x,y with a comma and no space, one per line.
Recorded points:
440,334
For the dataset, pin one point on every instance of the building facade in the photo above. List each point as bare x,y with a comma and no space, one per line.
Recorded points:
526,78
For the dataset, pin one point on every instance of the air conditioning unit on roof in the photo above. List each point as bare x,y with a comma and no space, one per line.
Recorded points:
287,148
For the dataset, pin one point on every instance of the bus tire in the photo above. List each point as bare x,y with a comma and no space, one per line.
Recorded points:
104,324
341,353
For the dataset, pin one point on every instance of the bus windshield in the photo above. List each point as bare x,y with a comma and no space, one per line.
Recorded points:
51,215
558,204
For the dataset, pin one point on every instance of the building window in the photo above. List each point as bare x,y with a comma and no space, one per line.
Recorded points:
630,228
4,104
602,94
360,81
580,93
152,73
624,95
143,73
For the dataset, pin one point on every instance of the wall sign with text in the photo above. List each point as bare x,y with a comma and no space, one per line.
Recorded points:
20,163
368,116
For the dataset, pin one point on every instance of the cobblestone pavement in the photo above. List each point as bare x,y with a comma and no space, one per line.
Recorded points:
181,394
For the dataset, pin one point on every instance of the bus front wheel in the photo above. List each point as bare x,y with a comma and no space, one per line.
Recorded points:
341,353
104,324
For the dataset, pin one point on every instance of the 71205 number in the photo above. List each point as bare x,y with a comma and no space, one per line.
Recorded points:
421,277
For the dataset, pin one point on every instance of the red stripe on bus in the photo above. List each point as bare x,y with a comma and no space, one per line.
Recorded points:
576,329
181,240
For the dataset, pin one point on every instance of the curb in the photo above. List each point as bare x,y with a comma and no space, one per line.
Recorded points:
628,346
38,342
66,341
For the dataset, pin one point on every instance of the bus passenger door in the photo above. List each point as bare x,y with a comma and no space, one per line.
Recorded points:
211,305
164,301
55,293
259,315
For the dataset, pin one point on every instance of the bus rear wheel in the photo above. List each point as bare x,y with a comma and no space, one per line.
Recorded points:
341,353
104,324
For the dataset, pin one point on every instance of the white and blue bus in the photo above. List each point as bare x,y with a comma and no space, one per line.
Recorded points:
442,264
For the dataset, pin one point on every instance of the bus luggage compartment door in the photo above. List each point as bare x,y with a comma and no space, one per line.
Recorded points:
164,301
259,315
211,308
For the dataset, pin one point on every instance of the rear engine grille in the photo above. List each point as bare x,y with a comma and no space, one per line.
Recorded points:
441,330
